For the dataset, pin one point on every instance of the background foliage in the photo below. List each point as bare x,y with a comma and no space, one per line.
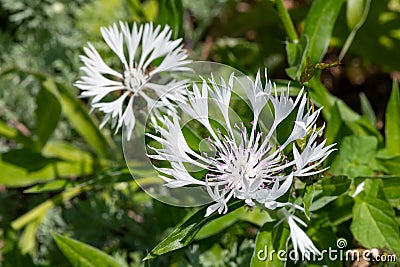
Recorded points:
66,196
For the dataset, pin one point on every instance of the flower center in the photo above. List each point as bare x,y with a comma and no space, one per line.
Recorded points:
134,79
244,163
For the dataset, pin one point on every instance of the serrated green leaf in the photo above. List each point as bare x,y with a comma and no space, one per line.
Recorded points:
336,185
319,26
83,255
270,237
356,156
48,113
374,222
185,233
392,125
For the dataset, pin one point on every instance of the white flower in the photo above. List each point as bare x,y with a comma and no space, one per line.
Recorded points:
299,238
138,77
244,163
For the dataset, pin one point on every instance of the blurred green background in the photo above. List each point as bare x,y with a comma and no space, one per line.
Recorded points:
59,173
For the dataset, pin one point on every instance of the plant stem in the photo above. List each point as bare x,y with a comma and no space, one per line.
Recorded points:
287,21
353,32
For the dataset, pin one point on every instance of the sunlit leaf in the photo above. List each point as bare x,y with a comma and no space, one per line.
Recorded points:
185,233
83,255
367,109
392,125
270,238
319,26
374,223
171,12
356,156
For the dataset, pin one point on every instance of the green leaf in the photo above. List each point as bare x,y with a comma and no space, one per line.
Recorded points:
27,159
391,187
48,114
52,186
392,125
23,167
78,115
388,163
354,12
185,233
270,237
296,54
374,222
344,121
319,26
336,129
336,185
356,156
308,199
170,12
83,255
366,108
321,202
255,216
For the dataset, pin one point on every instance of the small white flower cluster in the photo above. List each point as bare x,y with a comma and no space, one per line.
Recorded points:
246,162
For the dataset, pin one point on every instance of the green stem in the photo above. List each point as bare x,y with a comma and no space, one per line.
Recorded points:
287,21
39,211
353,32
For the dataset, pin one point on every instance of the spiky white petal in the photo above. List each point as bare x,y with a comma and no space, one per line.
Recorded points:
244,163
299,238
137,49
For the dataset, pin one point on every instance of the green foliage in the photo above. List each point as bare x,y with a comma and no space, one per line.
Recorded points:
359,162
184,234
392,126
171,13
374,223
80,254
47,115
60,174
270,238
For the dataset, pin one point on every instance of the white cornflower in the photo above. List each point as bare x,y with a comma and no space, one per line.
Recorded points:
138,77
299,238
244,163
